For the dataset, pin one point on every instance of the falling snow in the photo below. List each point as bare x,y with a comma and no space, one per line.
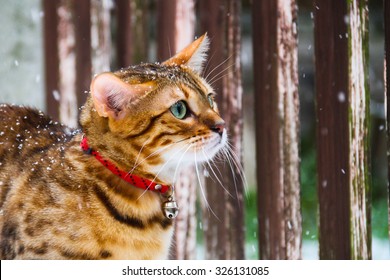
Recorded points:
341,97
56,95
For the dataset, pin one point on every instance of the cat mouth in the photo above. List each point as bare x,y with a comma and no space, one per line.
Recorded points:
198,150
209,147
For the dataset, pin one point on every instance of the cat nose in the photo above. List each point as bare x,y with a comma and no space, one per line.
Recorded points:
218,128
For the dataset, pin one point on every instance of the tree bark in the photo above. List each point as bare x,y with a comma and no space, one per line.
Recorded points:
174,35
68,58
100,35
223,203
359,159
277,133
166,14
82,31
387,91
51,57
341,51
66,94
132,28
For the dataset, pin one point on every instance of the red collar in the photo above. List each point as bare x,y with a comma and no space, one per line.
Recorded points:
134,180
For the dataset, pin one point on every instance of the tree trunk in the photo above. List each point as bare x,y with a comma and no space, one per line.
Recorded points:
223,204
67,64
100,35
132,28
68,58
341,49
387,91
174,35
166,14
359,157
277,133
51,57
82,30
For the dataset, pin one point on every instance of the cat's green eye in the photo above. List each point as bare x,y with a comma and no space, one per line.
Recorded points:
179,110
211,100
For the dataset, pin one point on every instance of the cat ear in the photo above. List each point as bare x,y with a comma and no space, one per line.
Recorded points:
193,56
111,95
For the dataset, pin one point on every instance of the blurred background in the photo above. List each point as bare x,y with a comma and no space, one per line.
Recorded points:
22,81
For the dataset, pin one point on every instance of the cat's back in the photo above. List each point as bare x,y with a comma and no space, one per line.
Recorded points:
25,131
26,135
29,139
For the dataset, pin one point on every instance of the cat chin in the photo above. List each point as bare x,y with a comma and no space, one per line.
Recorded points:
177,160
203,152
210,149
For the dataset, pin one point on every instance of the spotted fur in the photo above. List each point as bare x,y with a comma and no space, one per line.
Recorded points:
58,202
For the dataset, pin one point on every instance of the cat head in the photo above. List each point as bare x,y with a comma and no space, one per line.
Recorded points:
161,114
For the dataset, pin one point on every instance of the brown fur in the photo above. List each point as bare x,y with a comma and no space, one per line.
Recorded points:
59,203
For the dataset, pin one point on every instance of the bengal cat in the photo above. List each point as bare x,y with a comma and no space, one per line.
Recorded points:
105,191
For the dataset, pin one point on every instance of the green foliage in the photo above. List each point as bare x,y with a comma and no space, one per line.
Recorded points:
309,199
379,209
251,225
251,219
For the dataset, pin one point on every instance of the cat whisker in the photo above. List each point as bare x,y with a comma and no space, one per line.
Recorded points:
139,153
169,48
168,161
161,169
221,74
202,190
237,162
208,63
233,174
178,164
216,67
229,152
219,159
219,78
144,159
215,175
181,140
155,153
